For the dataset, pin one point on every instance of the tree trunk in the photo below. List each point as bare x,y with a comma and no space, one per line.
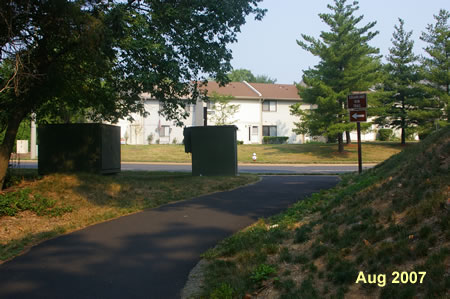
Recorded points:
403,123
403,142
8,144
347,137
340,143
403,136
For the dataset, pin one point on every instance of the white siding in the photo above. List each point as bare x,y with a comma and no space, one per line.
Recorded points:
248,116
284,121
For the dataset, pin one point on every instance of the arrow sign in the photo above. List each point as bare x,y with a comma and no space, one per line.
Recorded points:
358,116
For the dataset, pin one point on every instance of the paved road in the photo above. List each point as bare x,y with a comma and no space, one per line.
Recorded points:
149,254
257,168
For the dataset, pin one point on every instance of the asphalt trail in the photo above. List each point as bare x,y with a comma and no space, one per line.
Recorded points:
148,254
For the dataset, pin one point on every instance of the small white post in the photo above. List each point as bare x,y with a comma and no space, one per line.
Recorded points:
33,137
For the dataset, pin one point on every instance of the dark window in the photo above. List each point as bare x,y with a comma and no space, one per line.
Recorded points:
164,131
270,106
269,130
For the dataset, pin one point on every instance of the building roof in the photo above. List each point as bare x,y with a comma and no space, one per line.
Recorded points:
235,89
266,91
277,91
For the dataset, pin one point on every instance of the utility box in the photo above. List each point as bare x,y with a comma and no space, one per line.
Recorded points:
22,146
79,147
213,148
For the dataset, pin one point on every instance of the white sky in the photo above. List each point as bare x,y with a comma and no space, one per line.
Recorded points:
269,46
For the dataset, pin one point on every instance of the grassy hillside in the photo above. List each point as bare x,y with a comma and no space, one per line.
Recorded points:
393,218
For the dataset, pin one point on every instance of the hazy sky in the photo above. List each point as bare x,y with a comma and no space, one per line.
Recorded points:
269,46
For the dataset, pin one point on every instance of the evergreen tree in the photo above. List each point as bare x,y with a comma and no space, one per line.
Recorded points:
436,69
401,108
347,64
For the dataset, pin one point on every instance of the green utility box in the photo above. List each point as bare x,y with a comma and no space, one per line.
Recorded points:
79,147
213,148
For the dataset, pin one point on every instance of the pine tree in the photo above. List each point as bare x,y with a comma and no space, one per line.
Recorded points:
347,64
436,68
401,108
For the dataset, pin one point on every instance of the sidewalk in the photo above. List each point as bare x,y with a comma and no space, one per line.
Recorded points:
149,254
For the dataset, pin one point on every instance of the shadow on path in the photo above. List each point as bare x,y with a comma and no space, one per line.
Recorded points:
149,254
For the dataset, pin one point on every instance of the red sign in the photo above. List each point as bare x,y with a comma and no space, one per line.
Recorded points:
358,116
357,101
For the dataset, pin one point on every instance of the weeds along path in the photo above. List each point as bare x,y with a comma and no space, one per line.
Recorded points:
148,254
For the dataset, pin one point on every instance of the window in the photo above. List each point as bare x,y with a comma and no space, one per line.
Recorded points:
164,131
254,130
270,106
269,130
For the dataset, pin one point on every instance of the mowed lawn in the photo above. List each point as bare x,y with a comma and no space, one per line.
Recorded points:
373,152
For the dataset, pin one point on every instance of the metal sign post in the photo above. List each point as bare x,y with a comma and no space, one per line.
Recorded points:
357,105
358,128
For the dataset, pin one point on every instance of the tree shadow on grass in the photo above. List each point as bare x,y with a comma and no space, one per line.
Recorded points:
148,254
329,152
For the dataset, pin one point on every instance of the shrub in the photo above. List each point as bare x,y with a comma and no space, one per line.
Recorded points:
240,142
424,134
224,291
385,134
302,234
262,272
410,134
150,138
275,139
332,138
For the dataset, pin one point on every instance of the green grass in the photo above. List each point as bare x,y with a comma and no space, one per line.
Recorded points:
373,152
12,203
37,208
394,217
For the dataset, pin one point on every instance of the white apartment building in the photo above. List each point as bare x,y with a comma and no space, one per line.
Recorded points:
263,111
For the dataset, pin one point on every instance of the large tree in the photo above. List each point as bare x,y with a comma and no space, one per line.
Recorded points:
347,64
402,105
436,66
239,75
96,57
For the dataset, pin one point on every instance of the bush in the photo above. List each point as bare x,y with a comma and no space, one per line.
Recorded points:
150,139
332,138
410,134
424,134
385,134
240,142
275,139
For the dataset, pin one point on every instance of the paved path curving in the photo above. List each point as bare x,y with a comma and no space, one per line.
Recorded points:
149,254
